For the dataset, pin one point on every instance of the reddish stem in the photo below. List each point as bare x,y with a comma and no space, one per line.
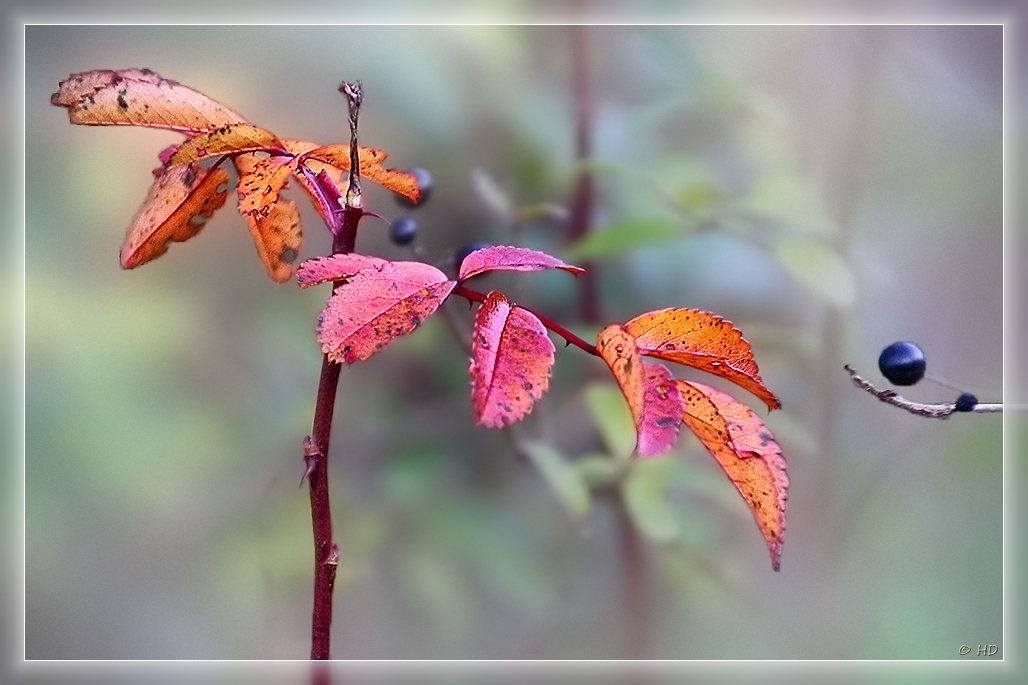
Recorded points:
571,338
326,553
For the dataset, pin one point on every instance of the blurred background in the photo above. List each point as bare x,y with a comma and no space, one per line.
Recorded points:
829,189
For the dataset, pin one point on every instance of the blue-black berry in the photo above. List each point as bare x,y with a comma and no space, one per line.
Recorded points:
966,402
902,363
403,230
464,250
424,182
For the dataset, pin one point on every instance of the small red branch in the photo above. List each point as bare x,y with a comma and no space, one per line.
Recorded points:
571,338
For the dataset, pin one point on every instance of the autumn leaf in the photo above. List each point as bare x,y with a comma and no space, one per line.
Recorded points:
337,267
178,205
703,341
230,138
510,259
378,304
511,357
260,181
652,394
370,161
746,451
278,235
139,97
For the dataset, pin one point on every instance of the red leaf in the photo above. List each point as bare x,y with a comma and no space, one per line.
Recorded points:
230,138
511,357
746,451
703,341
178,205
652,394
139,97
378,304
338,267
510,259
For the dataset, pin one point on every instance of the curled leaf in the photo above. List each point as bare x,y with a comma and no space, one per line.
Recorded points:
511,357
229,138
746,451
703,341
652,394
178,205
338,267
510,259
378,304
139,97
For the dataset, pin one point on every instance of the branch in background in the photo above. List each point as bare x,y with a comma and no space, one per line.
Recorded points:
933,411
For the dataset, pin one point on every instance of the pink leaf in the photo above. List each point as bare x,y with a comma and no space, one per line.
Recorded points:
511,357
376,305
510,259
653,396
335,268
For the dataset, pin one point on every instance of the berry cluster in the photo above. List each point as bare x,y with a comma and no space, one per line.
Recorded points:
903,363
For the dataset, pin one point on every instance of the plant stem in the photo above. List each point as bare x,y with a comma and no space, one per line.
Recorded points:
571,338
326,553
635,605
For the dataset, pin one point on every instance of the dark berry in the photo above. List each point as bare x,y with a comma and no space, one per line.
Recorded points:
966,402
424,183
902,363
403,230
464,250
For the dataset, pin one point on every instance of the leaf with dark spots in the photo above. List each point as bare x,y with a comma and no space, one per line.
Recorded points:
378,304
139,97
178,205
228,139
260,181
511,358
503,257
277,235
746,451
703,341
653,397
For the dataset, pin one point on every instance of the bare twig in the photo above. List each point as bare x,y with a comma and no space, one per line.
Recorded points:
933,411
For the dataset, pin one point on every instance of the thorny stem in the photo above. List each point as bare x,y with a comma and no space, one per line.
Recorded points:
932,411
326,553
571,338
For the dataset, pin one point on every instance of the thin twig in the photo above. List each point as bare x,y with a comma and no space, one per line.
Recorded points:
571,338
932,411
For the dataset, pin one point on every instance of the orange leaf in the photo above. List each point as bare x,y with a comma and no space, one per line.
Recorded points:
371,167
511,357
229,138
277,235
378,304
139,97
179,203
746,451
703,341
260,181
652,395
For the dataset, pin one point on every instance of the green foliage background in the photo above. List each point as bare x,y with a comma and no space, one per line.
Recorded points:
828,189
